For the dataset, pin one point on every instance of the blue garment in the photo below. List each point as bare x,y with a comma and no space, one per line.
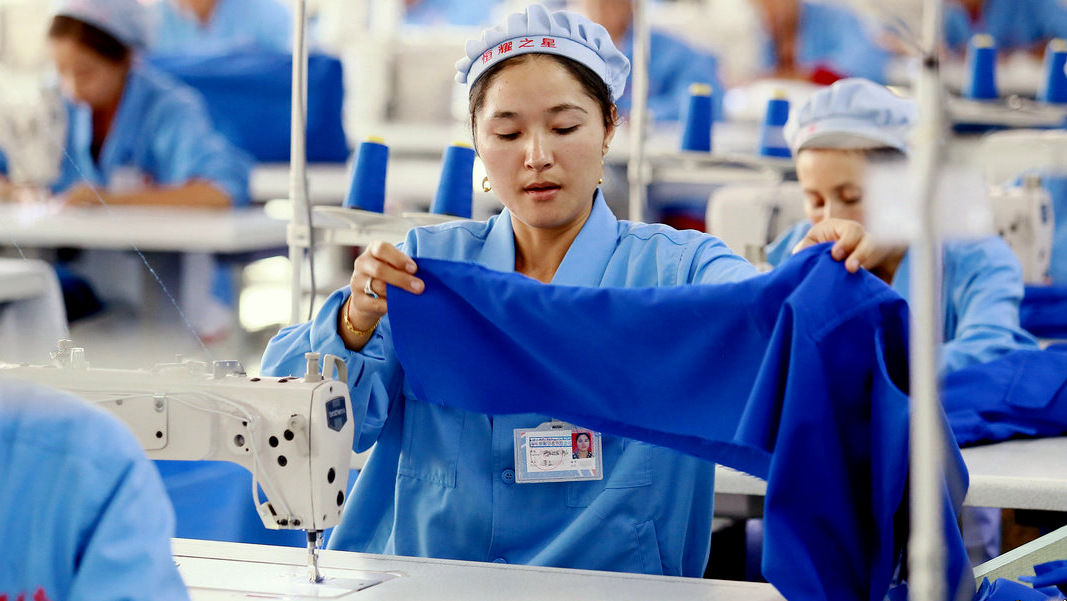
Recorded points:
981,289
263,25
249,98
467,13
161,135
792,376
1014,24
672,66
85,514
1044,311
1019,395
440,482
832,36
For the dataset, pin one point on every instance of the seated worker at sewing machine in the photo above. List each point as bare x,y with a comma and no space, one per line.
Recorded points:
835,137
85,513
135,136
1024,25
220,26
443,482
673,64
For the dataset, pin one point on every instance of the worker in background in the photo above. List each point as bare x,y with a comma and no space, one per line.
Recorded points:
85,513
835,136
457,13
673,64
442,482
221,26
818,42
1025,25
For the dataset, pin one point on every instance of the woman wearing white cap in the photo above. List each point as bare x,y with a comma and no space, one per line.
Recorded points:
135,136
442,482
834,136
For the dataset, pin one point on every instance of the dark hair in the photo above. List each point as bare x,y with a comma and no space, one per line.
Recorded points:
585,434
90,36
591,83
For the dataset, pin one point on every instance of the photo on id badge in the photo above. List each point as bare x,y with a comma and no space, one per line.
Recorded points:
582,449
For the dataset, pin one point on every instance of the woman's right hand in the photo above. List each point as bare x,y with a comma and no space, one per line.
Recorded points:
380,264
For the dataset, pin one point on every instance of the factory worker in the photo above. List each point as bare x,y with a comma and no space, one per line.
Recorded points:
818,41
85,513
443,482
135,136
458,13
834,136
221,26
673,65
1015,24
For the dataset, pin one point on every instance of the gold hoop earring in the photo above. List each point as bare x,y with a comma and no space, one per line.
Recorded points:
486,186
601,180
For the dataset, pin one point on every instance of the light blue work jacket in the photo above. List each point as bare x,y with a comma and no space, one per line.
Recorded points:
441,481
834,37
85,513
234,25
673,66
161,135
1014,24
981,289
459,13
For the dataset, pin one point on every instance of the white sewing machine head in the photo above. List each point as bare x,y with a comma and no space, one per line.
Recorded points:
294,434
33,129
1022,215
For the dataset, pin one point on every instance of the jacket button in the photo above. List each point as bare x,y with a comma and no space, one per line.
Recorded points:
500,560
508,476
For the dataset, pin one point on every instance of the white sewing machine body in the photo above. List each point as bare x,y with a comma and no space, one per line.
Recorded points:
294,434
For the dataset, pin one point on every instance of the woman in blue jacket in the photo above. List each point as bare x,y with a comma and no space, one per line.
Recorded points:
834,136
442,482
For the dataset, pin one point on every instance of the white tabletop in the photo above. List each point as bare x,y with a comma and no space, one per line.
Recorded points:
146,228
214,570
1017,474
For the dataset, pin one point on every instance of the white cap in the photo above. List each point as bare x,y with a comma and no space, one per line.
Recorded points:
127,20
852,114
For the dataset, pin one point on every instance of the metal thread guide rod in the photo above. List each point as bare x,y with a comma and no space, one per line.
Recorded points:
314,543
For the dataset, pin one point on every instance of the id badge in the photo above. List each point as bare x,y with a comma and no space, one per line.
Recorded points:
557,452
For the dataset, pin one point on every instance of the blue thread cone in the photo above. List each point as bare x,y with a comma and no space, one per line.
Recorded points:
455,190
367,191
980,68
697,133
771,135
1054,83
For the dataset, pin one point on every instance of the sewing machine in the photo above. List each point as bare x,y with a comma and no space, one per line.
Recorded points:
1022,216
294,434
33,129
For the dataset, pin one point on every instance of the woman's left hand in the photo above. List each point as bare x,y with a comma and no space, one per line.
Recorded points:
853,244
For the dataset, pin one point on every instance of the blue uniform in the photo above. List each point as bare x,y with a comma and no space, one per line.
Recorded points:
982,286
440,481
161,135
673,65
465,13
1012,23
798,368
85,514
833,37
235,25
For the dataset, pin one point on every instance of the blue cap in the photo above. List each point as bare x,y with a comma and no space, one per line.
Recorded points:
853,113
127,20
539,30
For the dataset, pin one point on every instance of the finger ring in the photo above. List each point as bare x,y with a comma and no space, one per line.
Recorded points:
368,290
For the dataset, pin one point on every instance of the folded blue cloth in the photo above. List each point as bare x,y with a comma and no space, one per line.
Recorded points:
1043,311
794,376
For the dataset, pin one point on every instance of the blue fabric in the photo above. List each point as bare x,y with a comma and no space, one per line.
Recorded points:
832,36
249,98
161,135
1044,311
1053,573
1003,589
809,378
438,485
85,514
234,25
1014,24
1056,185
673,65
981,290
1023,394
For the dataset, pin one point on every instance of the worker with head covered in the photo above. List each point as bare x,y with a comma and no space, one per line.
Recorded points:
673,64
442,482
221,26
135,136
85,513
835,136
